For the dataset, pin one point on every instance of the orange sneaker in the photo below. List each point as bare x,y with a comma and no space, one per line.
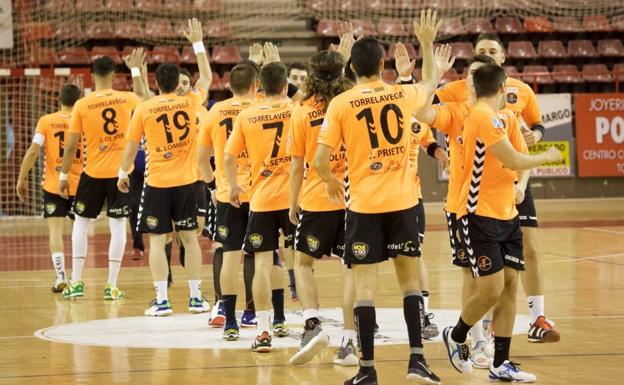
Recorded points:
542,331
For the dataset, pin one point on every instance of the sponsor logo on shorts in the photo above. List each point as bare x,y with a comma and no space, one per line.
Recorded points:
80,207
513,259
408,247
103,147
151,222
256,240
461,255
222,231
484,263
50,208
288,237
186,222
360,250
313,243
376,166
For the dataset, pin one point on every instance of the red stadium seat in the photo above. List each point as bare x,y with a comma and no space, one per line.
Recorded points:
151,81
567,73
538,24
164,54
121,83
328,28
352,5
509,25
225,80
611,47
389,76
111,52
36,31
617,22
127,50
541,79
226,55
74,56
119,5
567,24
462,50
363,28
477,25
149,5
411,51
208,5
128,30
158,28
178,5
41,56
511,71
593,23
452,26
598,73
218,29
216,84
618,72
581,48
521,50
391,27
88,5
100,30
69,30
417,74
320,5
551,49
188,55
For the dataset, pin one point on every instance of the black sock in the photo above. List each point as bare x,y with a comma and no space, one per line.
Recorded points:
412,305
460,331
291,277
168,255
501,350
182,254
364,314
217,262
311,323
248,274
229,303
277,299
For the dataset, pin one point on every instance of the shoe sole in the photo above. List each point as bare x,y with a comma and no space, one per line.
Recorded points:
217,322
262,349
549,338
421,380
350,360
475,365
163,313
314,347
78,295
59,288
445,338
510,381
230,338
197,311
249,325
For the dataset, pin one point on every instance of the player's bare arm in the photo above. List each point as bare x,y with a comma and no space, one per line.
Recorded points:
27,164
204,163
295,180
130,152
426,31
335,187
68,157
195,36
229,168
515,160
136,62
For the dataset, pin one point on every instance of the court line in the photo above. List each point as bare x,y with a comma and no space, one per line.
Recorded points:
604,231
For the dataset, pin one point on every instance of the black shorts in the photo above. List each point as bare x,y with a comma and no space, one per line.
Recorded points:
373,238
93,192
163,208
420,211
526,209
458,253
55,206
263,231
491,244
201,198
231,224
320,233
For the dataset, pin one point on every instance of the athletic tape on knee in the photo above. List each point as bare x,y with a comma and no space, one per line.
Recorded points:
80,234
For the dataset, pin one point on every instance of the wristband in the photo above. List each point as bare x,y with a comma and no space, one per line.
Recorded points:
136,72
431,149
540,128
62,176
406,79
122,174
198,47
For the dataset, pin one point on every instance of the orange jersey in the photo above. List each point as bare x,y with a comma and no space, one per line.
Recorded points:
169,124
373,122
53,128
262,130
102,118
520,98
421,136
450,120
488,187
306,124
214,132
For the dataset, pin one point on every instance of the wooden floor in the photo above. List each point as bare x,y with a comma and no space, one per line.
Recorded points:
581,243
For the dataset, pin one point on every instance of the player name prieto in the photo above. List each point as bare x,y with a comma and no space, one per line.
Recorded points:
376,99
107,103
169,107
269,117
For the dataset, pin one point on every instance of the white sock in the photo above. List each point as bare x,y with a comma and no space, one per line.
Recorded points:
161,291
263,317
349,335
536,306
58,260
80,239
310,313
489,315
426,303
195,288
116,247
476,333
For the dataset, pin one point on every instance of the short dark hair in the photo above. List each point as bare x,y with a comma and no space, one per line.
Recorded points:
242,77
167,77
490,36
186,72
365,57
69,94
485,59
253,64
273,78
298,66
103,66
488,80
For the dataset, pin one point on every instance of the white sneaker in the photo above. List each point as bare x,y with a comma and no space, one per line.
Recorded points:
198,305
157,309
509,372
346,354
458,354
480,356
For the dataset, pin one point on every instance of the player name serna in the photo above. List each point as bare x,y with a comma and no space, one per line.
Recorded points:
106,103
269,117
376,99
169,107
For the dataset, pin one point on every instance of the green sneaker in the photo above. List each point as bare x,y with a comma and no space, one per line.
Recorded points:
74,290
280,330
231,334
113,293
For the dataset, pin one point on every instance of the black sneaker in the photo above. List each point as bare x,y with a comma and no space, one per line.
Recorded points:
369,378
419,371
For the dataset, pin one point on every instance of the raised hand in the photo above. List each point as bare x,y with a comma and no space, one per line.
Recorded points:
427,29
256,54
271,54
403,64
195,32
443,59
346,39
136,59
